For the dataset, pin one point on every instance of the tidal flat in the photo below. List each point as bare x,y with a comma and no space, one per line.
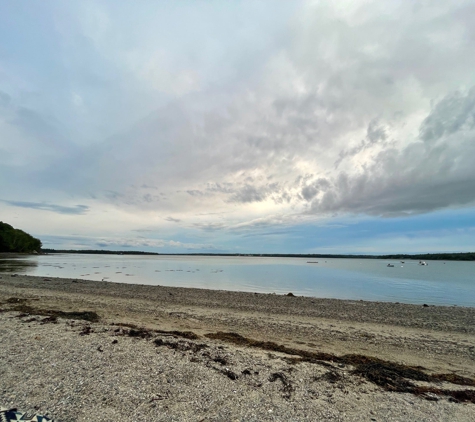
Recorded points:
74,348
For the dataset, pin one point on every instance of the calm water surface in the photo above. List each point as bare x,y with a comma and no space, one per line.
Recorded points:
449,283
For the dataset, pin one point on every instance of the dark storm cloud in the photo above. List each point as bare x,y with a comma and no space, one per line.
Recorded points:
433,173
312,189
249,193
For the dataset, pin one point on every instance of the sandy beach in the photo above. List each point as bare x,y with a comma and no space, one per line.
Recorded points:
83,350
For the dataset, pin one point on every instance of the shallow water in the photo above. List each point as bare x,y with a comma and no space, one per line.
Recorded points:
441,283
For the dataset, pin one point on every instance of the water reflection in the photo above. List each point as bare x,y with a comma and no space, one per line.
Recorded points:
442,283
17,265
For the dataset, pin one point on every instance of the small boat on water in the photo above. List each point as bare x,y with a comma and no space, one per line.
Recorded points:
390,265
312,262
423,263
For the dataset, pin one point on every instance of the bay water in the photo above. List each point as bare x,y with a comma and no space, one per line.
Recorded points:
438,283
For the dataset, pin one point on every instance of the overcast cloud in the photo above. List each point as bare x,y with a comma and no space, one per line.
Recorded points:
202,121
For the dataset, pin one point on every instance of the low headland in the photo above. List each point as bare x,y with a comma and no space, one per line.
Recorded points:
74,348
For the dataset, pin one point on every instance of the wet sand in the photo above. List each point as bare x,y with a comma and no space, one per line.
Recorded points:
283,357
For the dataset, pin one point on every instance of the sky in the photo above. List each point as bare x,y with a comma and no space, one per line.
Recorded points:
239,126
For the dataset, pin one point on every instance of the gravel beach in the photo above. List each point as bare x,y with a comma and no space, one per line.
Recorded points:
79,350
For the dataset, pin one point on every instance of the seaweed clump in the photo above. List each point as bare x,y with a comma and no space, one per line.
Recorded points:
182,346
388,375
20,305
287,388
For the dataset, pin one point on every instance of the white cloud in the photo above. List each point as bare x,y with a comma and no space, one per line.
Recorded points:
251,111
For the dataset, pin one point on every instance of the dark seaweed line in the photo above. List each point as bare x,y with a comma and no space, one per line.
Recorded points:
388,375
25,310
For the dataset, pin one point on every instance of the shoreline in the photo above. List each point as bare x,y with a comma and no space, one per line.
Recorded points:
440,339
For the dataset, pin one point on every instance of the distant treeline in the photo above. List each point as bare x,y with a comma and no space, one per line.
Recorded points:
97,252
16,240
464,256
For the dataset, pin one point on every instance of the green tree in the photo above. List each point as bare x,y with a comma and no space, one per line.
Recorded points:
16,240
